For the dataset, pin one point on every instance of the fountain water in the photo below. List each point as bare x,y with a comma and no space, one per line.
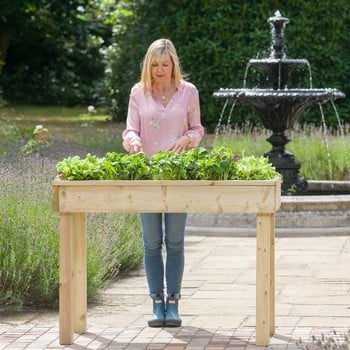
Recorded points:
279,107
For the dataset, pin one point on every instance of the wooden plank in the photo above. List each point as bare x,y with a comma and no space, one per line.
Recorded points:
79,272
65,287
177,197
55,198
263,281
191,183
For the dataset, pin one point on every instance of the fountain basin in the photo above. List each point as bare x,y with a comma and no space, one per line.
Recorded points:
279,109
328,187
307,215
246,95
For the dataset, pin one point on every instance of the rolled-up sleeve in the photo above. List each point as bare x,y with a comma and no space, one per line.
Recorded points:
132,130
195,129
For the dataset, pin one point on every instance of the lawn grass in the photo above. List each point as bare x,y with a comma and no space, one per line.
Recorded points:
52,114
323,155
93,131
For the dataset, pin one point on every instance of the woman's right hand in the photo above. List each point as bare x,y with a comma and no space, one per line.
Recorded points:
135,147
180,145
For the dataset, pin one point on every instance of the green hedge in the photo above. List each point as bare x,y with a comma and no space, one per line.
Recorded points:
216,38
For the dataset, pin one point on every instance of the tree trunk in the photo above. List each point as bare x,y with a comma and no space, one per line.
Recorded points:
4,44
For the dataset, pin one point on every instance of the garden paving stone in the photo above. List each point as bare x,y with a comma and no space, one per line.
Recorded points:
218,300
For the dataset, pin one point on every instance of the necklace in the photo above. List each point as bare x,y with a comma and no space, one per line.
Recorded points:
165,96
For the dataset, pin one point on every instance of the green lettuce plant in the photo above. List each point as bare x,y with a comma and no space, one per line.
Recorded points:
197,164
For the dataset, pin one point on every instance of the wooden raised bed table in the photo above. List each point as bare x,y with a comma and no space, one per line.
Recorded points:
73,199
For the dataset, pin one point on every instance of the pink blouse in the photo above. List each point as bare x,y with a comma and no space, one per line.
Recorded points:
156,126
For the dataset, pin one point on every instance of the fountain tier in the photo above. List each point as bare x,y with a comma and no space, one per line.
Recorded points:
279,109
278,70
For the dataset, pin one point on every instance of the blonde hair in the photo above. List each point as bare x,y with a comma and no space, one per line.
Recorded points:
157,49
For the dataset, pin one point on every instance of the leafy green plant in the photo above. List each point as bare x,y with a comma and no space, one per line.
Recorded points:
129,167
167,166
75,168
197,164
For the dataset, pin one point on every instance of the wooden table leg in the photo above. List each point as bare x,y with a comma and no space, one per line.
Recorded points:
66,277
264,282
79,272
272,276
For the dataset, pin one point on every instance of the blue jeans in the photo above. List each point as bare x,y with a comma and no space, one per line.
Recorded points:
153,237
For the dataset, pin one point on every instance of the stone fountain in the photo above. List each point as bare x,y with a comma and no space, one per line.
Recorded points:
279,106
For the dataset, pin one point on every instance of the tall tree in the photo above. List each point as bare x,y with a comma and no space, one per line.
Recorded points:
8,19
51,50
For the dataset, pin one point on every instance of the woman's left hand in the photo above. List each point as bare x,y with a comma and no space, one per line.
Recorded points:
180,145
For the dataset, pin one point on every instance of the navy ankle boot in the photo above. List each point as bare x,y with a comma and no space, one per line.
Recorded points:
172,318
157,319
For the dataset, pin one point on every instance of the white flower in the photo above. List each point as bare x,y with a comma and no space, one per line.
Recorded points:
39,129
91,109
40,133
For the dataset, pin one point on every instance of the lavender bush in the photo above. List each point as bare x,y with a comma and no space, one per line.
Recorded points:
29,231
327,155
333,341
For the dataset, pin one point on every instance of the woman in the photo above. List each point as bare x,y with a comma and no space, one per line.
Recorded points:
163,115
